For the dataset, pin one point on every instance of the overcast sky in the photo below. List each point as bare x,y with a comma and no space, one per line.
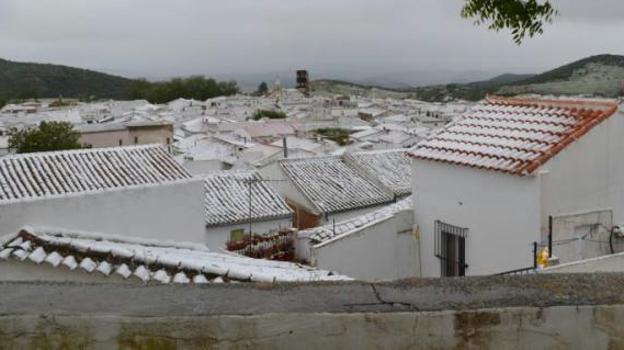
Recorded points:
163,38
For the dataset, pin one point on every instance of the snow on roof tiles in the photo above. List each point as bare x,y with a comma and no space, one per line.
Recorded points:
227,199
332,185
392,168
324,233
48,174
147,260
512,135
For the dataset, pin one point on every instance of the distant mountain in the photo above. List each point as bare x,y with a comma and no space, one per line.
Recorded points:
30,80
601,75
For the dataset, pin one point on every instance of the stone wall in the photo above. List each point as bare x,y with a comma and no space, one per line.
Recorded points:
541,311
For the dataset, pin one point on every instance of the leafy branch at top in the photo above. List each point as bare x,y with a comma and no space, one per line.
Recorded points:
523,17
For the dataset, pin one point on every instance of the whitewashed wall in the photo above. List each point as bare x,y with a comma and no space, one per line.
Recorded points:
12,270
217,236
502,213
384,250
166,212
588,174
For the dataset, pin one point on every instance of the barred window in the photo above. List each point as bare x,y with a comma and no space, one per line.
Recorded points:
450,248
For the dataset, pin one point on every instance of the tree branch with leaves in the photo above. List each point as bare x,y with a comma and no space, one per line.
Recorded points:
525,18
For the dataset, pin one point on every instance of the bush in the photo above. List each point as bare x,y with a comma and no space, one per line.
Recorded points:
340,136
264,113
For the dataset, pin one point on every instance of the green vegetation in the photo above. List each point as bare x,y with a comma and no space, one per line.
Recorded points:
263,88
265,113
340,136
522,17
22,81
49,136
197,87
33,80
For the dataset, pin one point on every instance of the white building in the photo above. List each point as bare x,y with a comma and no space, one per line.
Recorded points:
136,190
485,186
380,245
227,202
326,189
48,254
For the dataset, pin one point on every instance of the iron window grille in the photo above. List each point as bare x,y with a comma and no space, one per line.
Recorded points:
450,248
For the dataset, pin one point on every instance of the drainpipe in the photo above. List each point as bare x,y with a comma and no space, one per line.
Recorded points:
285,145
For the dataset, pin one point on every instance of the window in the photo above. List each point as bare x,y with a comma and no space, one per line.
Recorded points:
237,235
168,141
136,140
120,142
450,248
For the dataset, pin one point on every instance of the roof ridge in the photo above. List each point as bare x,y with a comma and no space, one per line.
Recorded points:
80,151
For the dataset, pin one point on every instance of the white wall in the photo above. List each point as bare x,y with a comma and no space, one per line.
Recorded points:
12,270
217,236
285,187
384,250
502,213
586,176
168,212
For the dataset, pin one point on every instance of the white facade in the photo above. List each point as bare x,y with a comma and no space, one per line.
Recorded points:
501,213
581,187
385,249
171,211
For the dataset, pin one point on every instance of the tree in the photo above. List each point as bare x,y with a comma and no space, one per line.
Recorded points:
49,136
523,17
263,88
265,113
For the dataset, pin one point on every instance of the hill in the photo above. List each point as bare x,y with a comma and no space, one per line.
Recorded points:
34,80
601,75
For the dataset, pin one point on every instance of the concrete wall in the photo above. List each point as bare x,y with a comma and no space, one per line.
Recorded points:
167,212
216,237
534,312
384,250
501,212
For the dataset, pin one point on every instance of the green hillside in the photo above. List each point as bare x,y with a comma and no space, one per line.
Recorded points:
34,80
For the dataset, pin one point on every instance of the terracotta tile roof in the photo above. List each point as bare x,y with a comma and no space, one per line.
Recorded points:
145,260
227,199
514,136
49,174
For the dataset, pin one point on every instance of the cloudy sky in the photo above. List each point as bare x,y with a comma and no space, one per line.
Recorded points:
164,38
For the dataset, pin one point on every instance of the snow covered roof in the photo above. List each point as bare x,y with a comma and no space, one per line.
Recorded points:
392,168
227,199
514,136
332,185
264,129
49,174
146,260
324,233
